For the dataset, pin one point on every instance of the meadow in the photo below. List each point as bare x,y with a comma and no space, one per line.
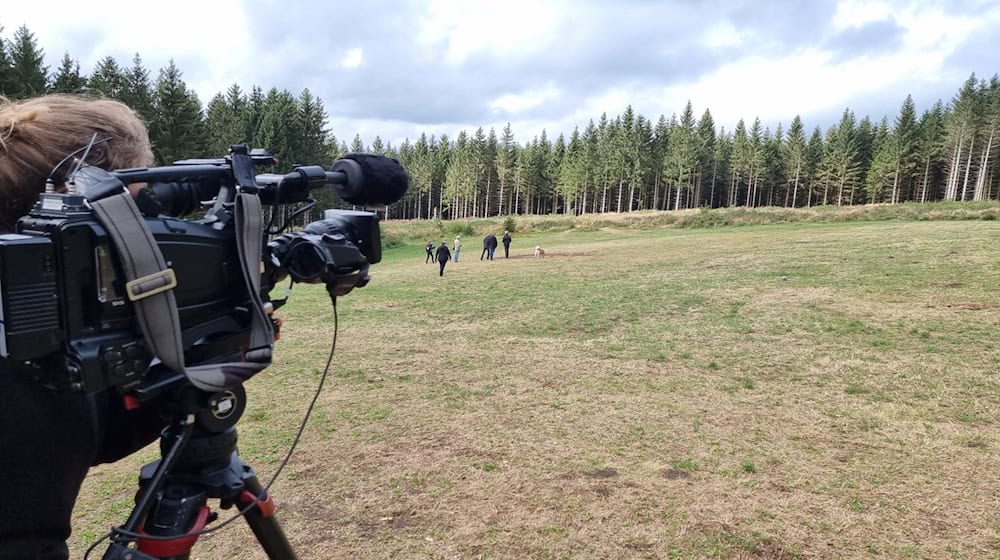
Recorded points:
820,389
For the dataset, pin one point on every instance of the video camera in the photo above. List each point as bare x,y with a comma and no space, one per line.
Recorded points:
68,312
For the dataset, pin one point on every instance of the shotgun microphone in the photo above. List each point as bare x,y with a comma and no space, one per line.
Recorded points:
359,179
371,180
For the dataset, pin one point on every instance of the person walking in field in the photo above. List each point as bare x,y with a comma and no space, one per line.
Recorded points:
430,252
489,245
443,256
457,247
506,244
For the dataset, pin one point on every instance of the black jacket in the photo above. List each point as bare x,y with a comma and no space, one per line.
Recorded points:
443,254
506,239
490,242
50,440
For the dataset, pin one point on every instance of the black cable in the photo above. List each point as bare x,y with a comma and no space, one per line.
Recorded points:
129,535
93,142
298,212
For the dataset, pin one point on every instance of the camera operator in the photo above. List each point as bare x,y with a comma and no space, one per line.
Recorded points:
50,439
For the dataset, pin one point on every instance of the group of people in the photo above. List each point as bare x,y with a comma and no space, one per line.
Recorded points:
443,254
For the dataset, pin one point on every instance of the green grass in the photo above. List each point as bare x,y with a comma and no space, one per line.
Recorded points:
641,392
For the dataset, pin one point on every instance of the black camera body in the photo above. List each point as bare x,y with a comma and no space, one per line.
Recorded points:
64,302
66,317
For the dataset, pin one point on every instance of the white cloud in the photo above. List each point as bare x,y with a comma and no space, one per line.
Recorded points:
353,58
858,13
722,35
519,102
512,27
216,36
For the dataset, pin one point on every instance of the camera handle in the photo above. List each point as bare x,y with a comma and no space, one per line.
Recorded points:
198,461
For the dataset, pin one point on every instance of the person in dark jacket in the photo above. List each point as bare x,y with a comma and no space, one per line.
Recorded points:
50,439
443,256
430,252
489,246
506,244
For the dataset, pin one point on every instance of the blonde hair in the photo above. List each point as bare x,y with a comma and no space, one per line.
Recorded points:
35,134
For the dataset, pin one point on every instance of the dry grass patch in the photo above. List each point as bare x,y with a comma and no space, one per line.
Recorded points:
780,392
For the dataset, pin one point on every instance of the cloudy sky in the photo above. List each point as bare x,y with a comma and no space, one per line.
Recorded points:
399,68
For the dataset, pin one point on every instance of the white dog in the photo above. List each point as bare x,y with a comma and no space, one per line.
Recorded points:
539,252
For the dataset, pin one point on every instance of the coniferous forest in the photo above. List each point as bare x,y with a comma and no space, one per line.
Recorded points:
618,163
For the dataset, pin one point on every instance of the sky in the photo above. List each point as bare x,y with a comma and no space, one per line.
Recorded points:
399,68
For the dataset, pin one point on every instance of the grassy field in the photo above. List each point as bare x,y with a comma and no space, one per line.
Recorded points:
812,390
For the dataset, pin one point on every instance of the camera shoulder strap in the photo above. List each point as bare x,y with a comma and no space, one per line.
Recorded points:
150,284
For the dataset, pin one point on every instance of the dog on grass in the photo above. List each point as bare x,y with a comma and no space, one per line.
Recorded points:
539,252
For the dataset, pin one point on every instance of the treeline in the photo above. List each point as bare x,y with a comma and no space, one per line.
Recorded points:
617,164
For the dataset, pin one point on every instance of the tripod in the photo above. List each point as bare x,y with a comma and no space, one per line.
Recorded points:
198,461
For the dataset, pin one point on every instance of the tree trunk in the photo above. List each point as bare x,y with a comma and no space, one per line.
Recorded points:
795,186
951,187
500,200
968,167
895,185
981,192
656,192
621,187
923,186
715,172
489,185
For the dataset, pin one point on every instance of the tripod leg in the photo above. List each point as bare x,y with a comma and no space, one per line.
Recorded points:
262,522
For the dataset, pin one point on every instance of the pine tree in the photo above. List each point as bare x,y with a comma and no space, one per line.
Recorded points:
108,78
176,128
882,174
505,168
217,122
137,91
705,154
795,158
314,143
990,132
962,126
251,114
868,138
67,78
841,171
741,167
459,177
757,160
813,163
906,133
6,68
661,135
930,150
27,74
774,166
591,166
280,130
643,169
357,144
682,155
571,171
421,169
721,162
488,168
